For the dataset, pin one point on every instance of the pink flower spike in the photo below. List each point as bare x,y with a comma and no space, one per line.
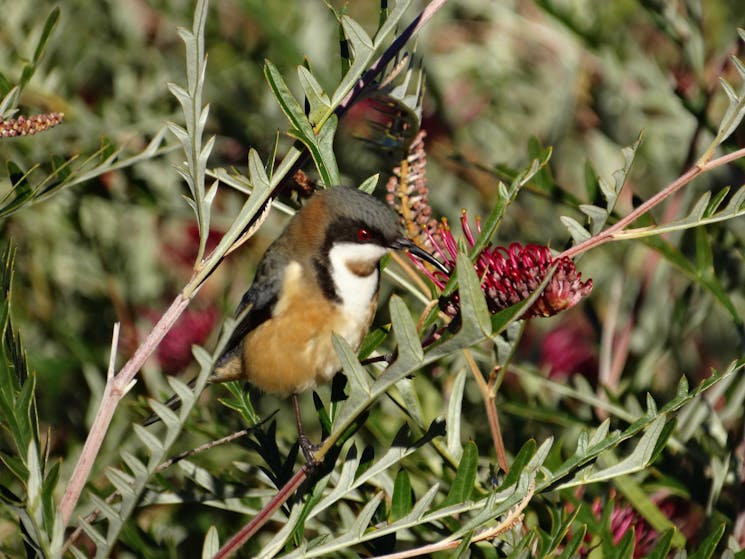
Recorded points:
467,228
510,274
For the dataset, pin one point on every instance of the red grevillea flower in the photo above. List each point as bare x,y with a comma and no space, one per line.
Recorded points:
569,348
686,517
509,274
193,327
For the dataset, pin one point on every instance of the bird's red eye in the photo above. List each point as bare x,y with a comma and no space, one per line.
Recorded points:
363,235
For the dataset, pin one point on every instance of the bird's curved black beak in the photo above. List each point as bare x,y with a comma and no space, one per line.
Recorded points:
403,243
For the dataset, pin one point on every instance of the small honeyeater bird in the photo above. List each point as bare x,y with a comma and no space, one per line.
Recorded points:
319,277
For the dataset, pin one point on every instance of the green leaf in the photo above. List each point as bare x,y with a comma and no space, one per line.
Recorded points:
507,195
166,414
49,26
572,547
256,170
322,151
390,19
401,500
151,441
591,182
462,486
362,521
134,464
317,99
372,341
362,48
455,408
103,507
94,535
662,548
709,281
709,545
182,390
636,461
472,303
369,184
359,380
409,346
578,232
625,548
211,543
521,460
289,105
5,87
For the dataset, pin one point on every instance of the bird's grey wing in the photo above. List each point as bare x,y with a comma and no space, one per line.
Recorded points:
258,301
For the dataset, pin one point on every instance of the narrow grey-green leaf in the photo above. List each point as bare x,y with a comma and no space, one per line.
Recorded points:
409,346
134,464
319,101
151,441
211,543
49,25
578,233
77,553
120,480
455,408
181,95
103,507
199,475
462,485
181,134
360,382
709,546
166,414
600,433
401,504
394,16
363,518
203,358
287,102
363,51
326,158
256,170
473,305
182,390
369,184
635,462
93,534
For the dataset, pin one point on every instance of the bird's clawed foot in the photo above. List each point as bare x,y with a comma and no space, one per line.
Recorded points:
309,451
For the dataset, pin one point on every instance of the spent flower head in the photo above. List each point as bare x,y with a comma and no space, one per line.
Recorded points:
508,275
28,126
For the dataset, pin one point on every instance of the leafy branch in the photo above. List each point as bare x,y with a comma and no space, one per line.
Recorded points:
262,184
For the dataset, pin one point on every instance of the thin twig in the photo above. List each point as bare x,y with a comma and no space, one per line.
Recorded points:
116,386
167,464
368,77
513,517
692,173
237,541
491,408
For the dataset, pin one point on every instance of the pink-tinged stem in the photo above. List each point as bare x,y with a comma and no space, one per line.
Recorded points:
677,184
116,387
237,541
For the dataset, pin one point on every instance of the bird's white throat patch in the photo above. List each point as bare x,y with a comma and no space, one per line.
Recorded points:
355,290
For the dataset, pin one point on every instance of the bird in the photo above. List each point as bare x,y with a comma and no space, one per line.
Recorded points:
320,277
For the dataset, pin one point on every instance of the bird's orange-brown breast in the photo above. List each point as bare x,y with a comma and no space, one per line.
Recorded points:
292,351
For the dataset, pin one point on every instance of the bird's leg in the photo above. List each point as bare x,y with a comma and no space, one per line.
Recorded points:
308,448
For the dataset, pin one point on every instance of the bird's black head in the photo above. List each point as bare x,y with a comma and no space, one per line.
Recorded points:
359,218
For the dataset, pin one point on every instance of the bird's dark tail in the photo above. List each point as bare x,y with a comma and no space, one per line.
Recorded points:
174,402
